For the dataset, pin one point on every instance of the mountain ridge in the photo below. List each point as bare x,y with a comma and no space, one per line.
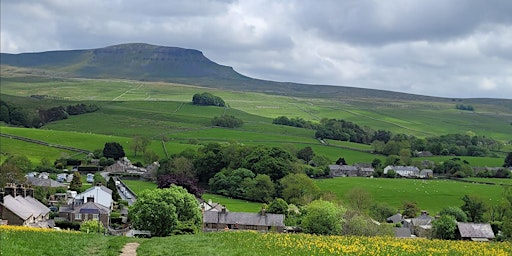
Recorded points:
146,62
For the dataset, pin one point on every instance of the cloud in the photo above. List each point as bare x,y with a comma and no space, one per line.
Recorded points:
449,48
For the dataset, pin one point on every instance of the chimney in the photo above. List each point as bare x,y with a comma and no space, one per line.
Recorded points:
10,189
90,199
2,194
223,209
98,184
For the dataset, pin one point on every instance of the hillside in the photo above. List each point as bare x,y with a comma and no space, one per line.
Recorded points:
146,62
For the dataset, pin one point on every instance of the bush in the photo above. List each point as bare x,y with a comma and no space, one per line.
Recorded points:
68,225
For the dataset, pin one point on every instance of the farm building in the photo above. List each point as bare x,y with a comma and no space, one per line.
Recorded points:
18,207
403,171
336,170
475,231
223,220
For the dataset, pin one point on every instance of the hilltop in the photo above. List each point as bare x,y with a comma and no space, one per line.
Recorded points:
145,62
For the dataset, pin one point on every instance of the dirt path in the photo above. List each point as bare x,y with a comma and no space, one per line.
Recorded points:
130,249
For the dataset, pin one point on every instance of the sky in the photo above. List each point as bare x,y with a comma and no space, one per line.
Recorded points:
446,48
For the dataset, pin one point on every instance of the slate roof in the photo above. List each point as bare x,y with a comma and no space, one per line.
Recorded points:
475,230
244,218
39,182
402,232
397,218
89,207
24,207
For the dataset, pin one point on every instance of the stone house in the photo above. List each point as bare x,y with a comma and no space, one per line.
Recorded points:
224,220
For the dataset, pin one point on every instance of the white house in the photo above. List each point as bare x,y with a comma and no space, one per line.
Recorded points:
97,194
404,171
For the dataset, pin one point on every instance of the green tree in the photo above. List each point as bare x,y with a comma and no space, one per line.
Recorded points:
381,211
508,160
299,189
444,227
262,189
113,150
92,226
229,182
278,205
76,182
323,218
410,209
474,208
139,144
10,173
306,154
361,225
456,212
166,211
21,162
111,184
359,199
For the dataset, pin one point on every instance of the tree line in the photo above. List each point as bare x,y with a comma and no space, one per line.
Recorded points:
386,143
207,99
16,115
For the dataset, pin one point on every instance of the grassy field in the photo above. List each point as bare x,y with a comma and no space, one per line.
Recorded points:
431,195
234,205
138,185
491,180
29,241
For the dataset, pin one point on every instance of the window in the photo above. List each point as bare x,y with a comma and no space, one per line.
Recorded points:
78,216
95,216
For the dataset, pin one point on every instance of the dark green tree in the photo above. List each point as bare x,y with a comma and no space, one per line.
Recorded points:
262,189
111,184
299,189
410,209
306,154
139,144
508,160
76,182
474,208
113,150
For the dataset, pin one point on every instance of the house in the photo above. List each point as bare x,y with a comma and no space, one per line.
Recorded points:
343,170
210,206
97,194
397,218
420,226
224,220
403,171
87,211
48,183
426,174
18,207
403,232
366,171
475,231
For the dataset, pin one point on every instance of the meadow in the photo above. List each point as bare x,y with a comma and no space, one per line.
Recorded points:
431,195
31,241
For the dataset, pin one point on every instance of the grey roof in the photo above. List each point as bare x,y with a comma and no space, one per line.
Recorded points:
403,168
244,218
402,232
397,218
24,207
89,207
335,167
39,182
348,168
475,230
108,190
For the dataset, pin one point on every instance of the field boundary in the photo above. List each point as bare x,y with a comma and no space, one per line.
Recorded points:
44,143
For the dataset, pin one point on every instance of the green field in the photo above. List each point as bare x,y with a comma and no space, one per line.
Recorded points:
234,205
491,180
138,185
431,195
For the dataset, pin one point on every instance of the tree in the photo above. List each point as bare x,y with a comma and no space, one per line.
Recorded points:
381,211
190,183
21,162
230,182
359,199
113,150
166,211
150,157
111,184
474,208
410,209
10,173
227,121
76,182
278,206
456,212
306,154
139,144
299,189
262,189
444,227
508,160
323,218
361,225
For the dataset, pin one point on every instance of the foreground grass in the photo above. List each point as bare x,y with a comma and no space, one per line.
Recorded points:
431,195
31,241
15,241
252,243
